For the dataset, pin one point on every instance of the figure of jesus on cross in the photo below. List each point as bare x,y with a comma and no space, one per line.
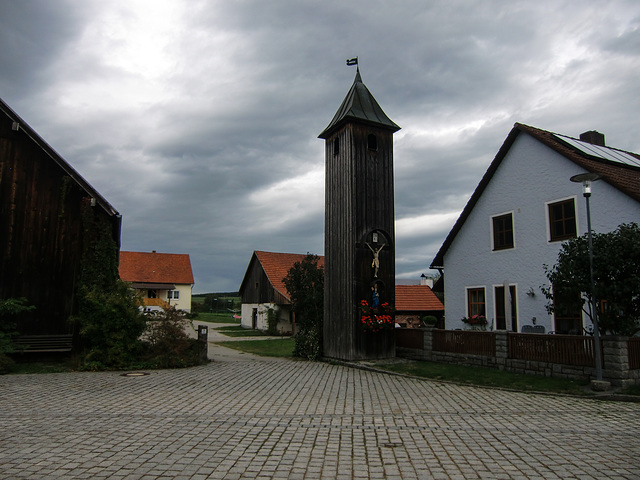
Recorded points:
376,261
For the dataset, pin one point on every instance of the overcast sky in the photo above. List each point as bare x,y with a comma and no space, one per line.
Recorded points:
198,120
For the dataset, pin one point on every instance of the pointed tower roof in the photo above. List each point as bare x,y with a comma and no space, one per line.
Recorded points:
359,105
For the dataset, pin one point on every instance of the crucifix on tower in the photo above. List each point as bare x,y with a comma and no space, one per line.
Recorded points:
376,260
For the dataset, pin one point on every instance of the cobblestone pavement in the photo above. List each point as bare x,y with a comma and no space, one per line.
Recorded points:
244,417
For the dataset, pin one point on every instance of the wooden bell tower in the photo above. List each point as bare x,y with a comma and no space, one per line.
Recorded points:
359,225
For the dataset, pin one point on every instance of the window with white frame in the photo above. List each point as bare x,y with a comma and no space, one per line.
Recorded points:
562,220
476,304
502,231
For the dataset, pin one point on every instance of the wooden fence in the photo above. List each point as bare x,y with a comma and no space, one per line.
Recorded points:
564,349
467,342
409,338
633,349
562,356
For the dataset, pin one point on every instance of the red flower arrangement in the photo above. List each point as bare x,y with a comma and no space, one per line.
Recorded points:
376,319
475,320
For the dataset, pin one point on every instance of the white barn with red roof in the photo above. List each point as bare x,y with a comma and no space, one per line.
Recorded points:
263,288
163,279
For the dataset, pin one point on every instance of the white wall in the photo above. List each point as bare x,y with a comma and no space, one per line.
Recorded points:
530,176
184,300
284,324
246,311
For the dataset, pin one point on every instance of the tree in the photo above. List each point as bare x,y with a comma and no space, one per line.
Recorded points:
616,272
305,284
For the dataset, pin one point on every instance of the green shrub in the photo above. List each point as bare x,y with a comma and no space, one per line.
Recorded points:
110,326
10,309
167,343
429,320
309,343
273,317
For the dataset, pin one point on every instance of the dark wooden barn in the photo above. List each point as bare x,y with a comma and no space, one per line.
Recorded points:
359,224
48,216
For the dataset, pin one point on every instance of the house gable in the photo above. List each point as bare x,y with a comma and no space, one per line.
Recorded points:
264,279
625,178
526,182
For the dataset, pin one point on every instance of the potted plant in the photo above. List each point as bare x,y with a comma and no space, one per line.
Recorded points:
429,321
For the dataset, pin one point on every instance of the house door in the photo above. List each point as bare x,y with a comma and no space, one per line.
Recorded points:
501,313
254,319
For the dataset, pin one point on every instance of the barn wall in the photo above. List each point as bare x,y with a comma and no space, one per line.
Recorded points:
256,286
42,231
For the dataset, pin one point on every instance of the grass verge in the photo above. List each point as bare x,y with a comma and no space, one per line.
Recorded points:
238,331
279,347
217,318
486,377
45,366
438,371
632,390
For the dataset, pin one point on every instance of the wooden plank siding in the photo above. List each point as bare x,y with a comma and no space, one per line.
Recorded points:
42,200
257,288
339,295
359,200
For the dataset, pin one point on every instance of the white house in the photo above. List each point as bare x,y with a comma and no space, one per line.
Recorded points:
524,207
163,279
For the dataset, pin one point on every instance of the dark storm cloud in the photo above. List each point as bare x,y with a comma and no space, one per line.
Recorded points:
32,35
198,120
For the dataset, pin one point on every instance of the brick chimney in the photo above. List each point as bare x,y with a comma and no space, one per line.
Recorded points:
593,137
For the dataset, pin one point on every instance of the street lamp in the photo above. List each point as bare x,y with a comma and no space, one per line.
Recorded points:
585,179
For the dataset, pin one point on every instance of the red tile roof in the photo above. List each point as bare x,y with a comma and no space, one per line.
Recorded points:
277,266
415,298
152,267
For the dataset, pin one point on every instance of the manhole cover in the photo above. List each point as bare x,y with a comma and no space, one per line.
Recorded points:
134,374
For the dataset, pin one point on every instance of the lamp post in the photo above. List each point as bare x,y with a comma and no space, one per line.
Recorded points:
586,179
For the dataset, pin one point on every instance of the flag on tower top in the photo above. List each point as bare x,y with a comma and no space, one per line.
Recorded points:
352,61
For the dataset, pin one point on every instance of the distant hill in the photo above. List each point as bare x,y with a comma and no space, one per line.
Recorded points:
217,294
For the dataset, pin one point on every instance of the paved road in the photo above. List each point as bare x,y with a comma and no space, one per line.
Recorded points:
245,417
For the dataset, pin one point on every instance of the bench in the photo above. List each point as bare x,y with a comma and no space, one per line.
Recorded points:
44,343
